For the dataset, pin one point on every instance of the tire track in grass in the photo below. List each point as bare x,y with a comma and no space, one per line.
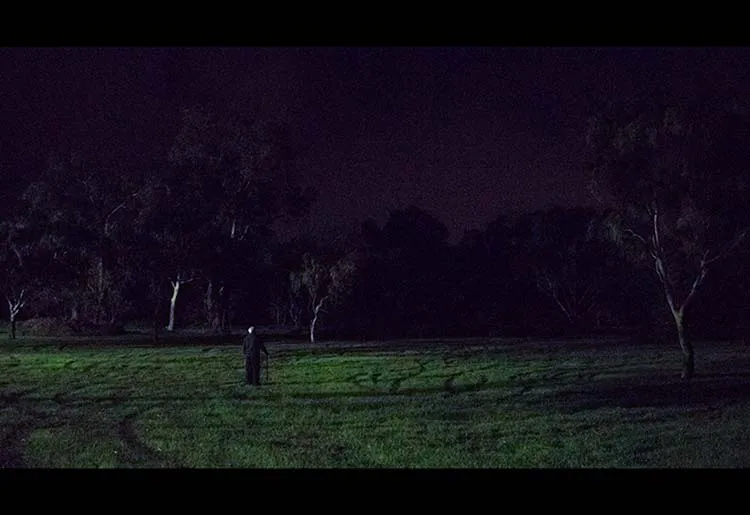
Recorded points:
373,381
529,386
374,377
11,448
134,451
449,361
396,383
80,368
475,387
13,445
359,380
448,384
14,396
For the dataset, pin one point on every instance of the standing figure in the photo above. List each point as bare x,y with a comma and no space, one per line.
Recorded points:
251,348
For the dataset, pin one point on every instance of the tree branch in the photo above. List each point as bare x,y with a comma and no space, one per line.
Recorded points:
658,254
648,246
587,298
117,208
636,235
656,239
665,283
17,253
319,306
698,280
552,289
180,280
735,243
89,190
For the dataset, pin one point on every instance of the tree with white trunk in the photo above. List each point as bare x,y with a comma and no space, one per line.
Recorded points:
233,176
323,283
176,283
676,174
24,257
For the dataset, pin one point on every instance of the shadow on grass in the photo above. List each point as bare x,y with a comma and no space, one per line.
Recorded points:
705,390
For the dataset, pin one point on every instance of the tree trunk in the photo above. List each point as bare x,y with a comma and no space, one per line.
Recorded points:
314,321
688,363
207,300
13,308
688,366
295,313
210,306
312,328
100,292
214,303
172,302
223,310
155,322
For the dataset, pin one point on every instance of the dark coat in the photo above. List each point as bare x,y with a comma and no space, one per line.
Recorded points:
252,346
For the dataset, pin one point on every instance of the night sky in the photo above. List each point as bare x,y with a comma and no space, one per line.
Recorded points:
465,133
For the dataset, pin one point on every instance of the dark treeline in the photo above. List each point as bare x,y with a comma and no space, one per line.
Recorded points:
188,241
554,272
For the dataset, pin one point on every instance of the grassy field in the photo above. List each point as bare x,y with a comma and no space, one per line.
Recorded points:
119,402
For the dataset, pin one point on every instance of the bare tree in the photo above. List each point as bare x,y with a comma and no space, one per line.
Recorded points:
20,251
324,285
15,303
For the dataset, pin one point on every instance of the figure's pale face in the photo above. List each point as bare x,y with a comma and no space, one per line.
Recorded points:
250,330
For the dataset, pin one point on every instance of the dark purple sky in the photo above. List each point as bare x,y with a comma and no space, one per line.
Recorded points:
466,133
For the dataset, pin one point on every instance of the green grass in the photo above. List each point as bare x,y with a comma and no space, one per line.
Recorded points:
445,403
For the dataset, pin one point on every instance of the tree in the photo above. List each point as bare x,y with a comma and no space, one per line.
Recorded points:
238,172
87,211
324,284
676,175
171,217
27,262
285,296
416,261
569,261
488,281
15,271
155,249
